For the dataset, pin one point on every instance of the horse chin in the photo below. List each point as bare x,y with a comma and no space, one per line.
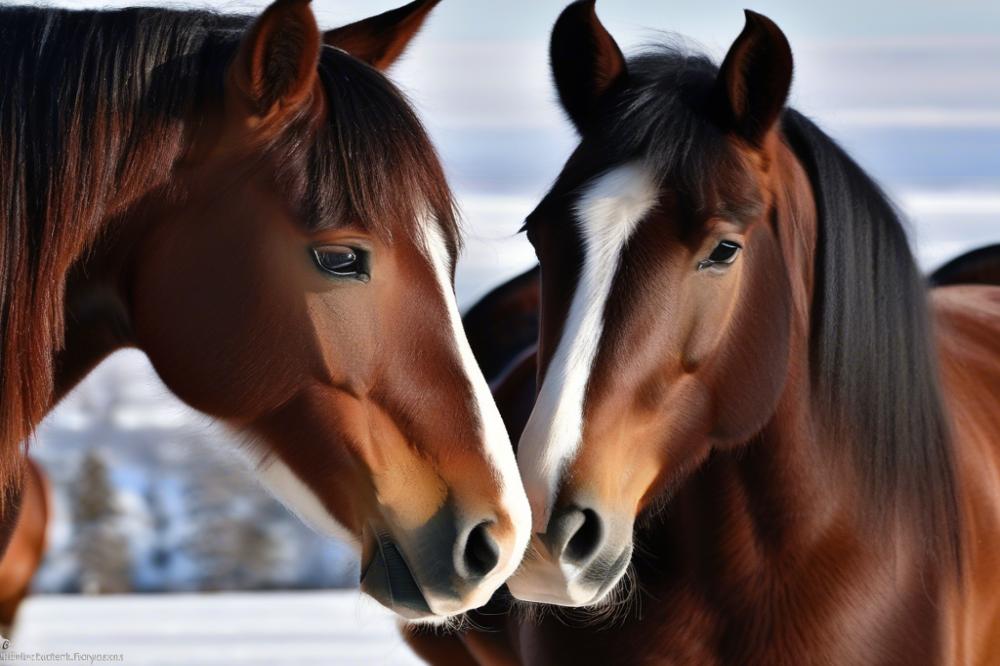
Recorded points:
545,582
387,579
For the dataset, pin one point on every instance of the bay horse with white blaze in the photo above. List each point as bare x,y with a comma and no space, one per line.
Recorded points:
747,394
254,205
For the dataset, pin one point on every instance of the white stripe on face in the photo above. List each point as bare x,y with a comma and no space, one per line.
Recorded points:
497,442
607,214
295,494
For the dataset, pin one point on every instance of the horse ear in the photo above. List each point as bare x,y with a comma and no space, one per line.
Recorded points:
275,69
754,79
380,40
586,62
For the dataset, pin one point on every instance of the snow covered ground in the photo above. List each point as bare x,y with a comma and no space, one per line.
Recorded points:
233,629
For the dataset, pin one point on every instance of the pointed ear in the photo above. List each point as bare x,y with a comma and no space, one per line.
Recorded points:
380,40
275,69
754,79
586,62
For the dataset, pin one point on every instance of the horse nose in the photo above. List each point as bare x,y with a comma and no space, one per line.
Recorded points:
479,554
575,535
446,567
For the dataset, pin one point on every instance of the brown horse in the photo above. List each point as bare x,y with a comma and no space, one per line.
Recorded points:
503,323
26,547
255,206
745,391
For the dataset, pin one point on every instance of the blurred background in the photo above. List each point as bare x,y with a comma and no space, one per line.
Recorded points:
151,498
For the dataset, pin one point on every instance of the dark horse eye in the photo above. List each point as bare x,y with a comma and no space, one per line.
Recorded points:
342,262
724,253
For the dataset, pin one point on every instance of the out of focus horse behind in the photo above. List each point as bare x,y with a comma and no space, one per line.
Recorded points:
979,266
26,547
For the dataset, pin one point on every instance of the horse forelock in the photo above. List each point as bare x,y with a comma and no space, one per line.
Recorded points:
94,117
370,162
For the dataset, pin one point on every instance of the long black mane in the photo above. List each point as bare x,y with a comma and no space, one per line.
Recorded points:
874,369
873,356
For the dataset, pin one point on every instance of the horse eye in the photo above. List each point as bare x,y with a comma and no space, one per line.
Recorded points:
724,253
342,262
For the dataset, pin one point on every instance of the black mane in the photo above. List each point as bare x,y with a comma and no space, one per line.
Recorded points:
873,359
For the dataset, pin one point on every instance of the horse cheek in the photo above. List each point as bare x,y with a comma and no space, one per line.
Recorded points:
757,352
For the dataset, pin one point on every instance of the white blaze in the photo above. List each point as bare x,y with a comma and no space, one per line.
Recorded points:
497,442
607,213
281,481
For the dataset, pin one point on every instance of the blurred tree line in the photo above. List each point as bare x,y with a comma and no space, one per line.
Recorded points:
149,497
226,534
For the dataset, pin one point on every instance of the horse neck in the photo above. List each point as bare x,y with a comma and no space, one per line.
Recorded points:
87,140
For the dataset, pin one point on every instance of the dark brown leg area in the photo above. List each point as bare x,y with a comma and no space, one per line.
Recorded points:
10,509
25,549
8,610
469,648
437,649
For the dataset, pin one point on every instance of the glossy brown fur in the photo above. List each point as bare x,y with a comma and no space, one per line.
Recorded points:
755,561
26,547
762,542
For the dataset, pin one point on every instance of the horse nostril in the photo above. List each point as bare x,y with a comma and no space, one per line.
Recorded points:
481,552
584,543
575,535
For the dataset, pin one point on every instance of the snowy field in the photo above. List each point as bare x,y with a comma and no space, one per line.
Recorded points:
234,629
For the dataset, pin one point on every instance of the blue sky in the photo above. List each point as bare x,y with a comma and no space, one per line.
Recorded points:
530,19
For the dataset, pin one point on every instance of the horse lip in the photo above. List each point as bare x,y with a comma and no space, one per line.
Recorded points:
585,580
388,579
620,563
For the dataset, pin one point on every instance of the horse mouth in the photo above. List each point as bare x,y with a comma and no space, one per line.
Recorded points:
612,577
388,579
543,581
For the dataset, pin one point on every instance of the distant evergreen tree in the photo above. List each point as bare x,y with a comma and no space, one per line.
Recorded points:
232,539
161,553
102,550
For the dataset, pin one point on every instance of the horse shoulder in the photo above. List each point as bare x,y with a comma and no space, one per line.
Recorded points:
967,324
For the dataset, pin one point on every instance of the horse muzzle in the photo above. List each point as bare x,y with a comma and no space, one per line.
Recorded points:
445,568
579,558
